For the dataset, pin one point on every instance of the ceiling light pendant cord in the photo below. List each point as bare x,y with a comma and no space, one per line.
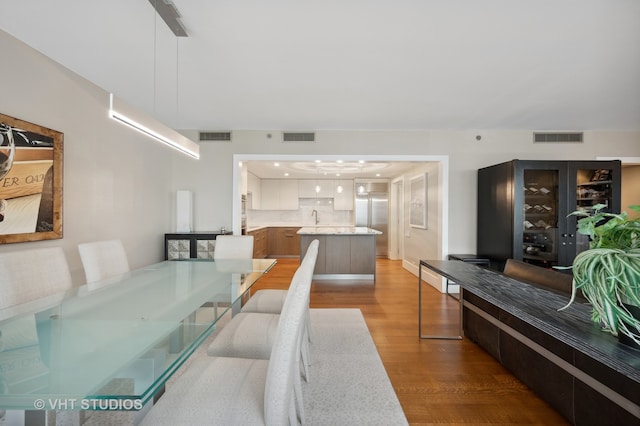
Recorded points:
177,82
155,59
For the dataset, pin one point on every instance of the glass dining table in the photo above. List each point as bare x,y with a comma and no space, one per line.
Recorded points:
112,345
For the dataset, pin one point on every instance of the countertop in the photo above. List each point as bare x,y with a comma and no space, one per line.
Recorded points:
337,230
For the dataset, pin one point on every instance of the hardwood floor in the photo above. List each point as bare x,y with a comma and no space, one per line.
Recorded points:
437,381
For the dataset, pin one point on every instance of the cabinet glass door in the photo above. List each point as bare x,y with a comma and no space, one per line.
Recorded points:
593,186
541,215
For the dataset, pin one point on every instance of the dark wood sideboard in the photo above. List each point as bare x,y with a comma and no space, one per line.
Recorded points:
583,372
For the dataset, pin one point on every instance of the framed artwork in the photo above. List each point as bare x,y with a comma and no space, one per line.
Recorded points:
30,181
418,199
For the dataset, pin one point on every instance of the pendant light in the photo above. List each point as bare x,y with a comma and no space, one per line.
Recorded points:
128,115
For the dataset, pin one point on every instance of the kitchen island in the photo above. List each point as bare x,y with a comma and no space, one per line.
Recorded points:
345,252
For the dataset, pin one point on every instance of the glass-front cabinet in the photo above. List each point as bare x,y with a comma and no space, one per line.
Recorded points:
541,208
524,207
593,186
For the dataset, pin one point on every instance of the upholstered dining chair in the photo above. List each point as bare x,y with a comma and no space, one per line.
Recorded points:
28,275
103,259
241,391
233,247
270,301
251,335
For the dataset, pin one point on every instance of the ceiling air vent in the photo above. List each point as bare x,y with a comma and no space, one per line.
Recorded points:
215,136
298,137
557,137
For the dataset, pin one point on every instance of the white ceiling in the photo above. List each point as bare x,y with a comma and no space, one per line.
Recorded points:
353,64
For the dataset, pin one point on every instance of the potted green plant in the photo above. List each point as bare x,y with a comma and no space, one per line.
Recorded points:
608,273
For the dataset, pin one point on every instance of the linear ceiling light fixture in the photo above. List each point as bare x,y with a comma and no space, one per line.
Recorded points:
170,15
126,114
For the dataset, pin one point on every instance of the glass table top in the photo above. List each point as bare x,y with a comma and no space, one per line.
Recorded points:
114,343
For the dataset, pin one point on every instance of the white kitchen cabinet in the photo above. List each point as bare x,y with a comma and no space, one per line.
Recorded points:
316,188
326,188
279,194
343,195
270,194
306,188
254,192
289,194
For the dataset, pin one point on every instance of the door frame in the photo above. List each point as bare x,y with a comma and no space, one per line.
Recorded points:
396,219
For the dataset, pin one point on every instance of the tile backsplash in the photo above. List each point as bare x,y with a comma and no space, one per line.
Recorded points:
327,216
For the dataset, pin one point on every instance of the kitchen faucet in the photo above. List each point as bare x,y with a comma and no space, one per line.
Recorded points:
315,212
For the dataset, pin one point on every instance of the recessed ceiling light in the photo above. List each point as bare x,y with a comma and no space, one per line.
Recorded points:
337,174
378,174
276,164
339,161
361,161
286,174
317,161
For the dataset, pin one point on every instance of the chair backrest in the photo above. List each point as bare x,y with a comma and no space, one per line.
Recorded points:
233,247
309,260
29,275
103,259
284,364
307,267
312,252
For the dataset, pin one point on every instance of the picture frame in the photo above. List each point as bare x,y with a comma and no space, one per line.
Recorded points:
31,174
418,201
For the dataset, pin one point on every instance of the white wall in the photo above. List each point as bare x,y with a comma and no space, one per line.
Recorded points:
423,243
117,182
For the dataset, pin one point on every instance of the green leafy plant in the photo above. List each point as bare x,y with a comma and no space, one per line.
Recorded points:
608,274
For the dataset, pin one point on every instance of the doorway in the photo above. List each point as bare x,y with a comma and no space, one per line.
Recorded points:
410,257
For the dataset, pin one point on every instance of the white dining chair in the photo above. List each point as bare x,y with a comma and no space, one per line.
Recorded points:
28,275
32,276
252,335
103,259
241,391
233,247
270,301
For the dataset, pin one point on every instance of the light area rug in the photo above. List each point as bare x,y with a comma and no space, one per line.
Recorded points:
348,383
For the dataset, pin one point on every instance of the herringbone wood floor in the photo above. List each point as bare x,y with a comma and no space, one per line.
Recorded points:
437,381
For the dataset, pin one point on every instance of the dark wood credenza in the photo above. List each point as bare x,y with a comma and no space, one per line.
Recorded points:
583,372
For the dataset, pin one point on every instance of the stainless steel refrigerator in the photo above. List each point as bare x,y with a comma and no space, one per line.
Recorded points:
372,211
